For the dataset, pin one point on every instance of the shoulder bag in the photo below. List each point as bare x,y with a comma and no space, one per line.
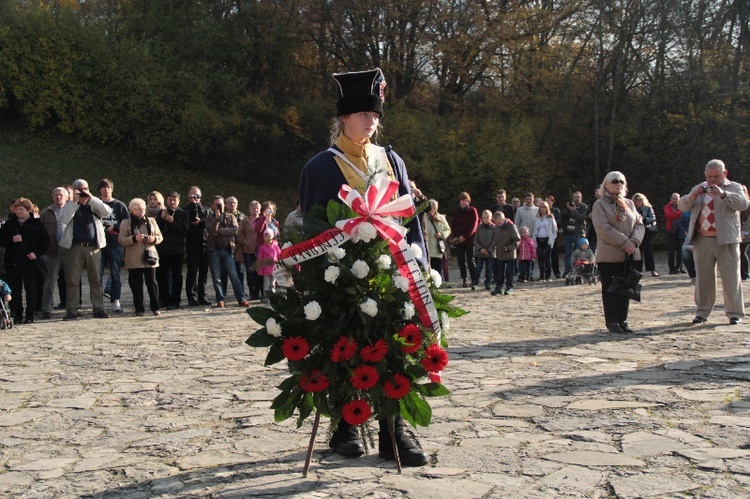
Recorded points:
150,256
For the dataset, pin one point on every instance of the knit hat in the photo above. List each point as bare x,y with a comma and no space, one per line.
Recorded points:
360,91
582,241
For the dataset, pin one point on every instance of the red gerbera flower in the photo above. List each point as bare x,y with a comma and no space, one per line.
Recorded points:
435,358
398,387
356,412
344,349
374,353
412,336
313,382
295,348
364,378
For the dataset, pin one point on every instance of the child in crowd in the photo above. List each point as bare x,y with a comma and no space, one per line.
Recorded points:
526,255
506,237
268,254
484,250
583,254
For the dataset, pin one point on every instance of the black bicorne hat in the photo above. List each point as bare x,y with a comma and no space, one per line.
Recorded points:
360,91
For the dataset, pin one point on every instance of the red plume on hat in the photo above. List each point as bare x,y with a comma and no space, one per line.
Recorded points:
360,91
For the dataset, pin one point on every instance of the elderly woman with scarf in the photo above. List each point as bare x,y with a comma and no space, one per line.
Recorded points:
620,230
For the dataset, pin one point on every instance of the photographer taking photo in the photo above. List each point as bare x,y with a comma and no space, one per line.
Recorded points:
222,230
196,251
173,223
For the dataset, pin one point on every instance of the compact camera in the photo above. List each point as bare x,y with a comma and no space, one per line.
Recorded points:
83,194
195,196
707,188
170,212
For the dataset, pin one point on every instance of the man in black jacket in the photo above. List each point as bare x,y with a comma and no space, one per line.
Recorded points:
196,250
173,223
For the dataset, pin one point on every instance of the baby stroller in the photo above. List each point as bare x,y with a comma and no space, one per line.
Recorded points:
6,321
583,271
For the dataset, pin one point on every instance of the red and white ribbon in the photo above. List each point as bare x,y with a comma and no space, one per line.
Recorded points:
377,208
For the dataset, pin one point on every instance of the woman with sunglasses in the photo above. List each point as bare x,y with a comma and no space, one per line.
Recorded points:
620,230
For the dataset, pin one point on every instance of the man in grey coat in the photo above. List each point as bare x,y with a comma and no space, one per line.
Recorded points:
715,207
83,238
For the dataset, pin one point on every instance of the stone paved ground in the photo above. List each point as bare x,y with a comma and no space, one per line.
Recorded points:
543,404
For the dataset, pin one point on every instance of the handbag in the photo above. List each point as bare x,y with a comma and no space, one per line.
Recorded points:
441,242
627,285
150,256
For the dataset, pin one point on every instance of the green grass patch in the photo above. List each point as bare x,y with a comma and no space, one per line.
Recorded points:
32,164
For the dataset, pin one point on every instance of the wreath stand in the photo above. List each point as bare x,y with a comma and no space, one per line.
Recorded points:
316,424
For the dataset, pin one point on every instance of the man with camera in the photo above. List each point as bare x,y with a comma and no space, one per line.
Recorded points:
232,207
222,229
714,230
83,238
173,224
196,250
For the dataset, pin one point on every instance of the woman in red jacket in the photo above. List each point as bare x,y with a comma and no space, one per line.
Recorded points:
463,227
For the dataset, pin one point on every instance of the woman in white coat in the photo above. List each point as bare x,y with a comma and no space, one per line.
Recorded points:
544,233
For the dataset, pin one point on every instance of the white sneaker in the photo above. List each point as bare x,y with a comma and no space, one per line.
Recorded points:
116,308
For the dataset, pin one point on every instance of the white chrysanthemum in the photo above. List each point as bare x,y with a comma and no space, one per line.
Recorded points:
444,321
336,254
360,269
408,311
366,232
312,311
286,245
401,282
369,307
436,278
417,251
384,262
331,274
273,327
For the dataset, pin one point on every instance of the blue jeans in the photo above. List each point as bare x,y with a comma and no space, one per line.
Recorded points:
219,261
505,272
489,263
569,244
112,258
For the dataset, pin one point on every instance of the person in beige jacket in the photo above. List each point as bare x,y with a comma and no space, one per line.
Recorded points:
136,234
619,229
714,230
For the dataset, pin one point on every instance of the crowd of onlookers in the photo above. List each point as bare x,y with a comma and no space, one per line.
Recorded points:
165,245
508,241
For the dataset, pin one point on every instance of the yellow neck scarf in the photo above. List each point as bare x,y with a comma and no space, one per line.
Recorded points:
360,155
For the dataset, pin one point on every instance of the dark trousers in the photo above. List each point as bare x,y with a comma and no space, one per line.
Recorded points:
615,306
197,273
647,254
136,278
544,256
488,263
254,281
744,260
674,251
23,277
169,277
555,257
465,256
506,272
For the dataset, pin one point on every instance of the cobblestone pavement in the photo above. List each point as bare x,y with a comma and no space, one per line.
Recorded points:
543,404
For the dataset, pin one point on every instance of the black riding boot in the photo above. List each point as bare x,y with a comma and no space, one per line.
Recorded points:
408,452
346,442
